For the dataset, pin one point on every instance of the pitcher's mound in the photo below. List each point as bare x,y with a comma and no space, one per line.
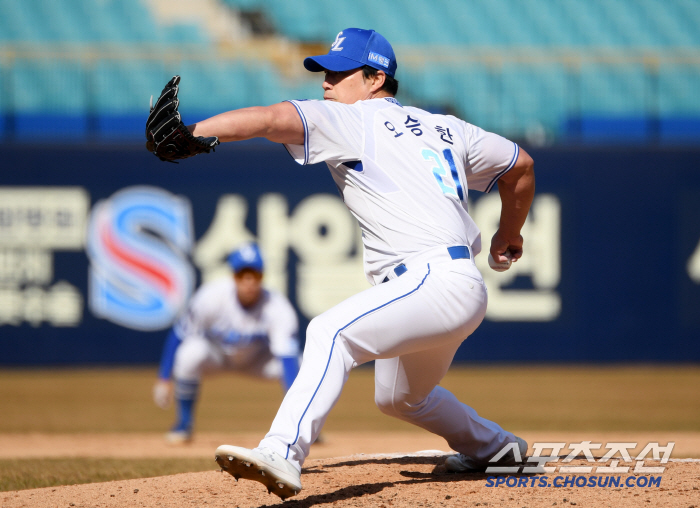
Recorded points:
385,481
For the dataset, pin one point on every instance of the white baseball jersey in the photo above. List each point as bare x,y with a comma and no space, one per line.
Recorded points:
403,173
215,314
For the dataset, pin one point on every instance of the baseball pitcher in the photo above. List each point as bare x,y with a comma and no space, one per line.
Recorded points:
404,174
232,323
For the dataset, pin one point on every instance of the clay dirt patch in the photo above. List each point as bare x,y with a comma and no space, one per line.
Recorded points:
368,481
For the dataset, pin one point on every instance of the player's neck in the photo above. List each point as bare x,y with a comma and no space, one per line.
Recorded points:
381,94
248,303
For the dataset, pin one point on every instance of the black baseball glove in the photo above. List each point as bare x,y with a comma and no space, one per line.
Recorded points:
169,138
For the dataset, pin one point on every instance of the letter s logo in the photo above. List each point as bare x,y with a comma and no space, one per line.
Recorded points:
138,243
336,46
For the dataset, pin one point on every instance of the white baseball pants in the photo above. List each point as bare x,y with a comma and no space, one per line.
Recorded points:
412,326
197,356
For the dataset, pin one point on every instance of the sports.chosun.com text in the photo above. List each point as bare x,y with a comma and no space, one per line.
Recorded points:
574,481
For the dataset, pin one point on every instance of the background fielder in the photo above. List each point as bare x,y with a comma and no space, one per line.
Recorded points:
232,323
404,174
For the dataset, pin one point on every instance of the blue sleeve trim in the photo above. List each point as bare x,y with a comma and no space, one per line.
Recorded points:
306,132
172,342
510,166
290,366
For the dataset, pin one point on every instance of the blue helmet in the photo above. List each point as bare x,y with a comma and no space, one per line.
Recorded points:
246,256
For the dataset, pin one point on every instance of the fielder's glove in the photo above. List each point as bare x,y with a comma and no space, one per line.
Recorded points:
169,138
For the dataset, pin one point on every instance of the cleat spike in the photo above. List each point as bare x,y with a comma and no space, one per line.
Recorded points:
230,458
280,485
262,473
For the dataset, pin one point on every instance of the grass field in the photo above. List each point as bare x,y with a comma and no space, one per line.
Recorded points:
523,397
541,398
19,474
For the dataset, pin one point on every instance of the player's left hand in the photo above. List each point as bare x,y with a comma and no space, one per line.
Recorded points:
163,393
168,138
500,245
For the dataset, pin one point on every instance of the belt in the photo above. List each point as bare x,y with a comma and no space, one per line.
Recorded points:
457,252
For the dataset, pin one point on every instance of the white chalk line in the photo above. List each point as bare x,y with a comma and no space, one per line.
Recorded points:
437,453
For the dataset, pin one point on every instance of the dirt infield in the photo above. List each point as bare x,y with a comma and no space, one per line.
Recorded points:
42,417
358,478
376,481
335,444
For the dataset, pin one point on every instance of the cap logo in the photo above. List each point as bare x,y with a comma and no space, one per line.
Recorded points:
378,59
336,46
248,253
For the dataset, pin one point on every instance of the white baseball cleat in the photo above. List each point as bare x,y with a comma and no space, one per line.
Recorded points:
178,437
262,465
460,463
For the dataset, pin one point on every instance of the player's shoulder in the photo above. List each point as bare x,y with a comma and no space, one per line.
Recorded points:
437,118
210,297
310,109
278,309
274,298
275,304
357,109
448,125
217,287
370,106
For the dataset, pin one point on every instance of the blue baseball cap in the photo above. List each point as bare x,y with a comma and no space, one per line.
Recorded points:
353,48
247,256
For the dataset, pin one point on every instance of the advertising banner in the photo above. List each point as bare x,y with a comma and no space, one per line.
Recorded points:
102,246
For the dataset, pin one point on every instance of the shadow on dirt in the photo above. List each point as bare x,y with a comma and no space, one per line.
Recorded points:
437,475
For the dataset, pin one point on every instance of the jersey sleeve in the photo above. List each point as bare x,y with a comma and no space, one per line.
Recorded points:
284,327
332,132
489,157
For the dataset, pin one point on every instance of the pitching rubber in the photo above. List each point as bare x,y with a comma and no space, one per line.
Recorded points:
250,465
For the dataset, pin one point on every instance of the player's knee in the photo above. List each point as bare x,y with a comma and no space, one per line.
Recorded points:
317,329
319,332
385,401
189,362
322,338
395,404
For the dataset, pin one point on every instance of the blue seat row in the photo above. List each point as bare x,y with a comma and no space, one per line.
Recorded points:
522,23
509,99
114,86
514,97
90,21
543,23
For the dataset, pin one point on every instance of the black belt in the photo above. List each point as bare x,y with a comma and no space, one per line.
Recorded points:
458,252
